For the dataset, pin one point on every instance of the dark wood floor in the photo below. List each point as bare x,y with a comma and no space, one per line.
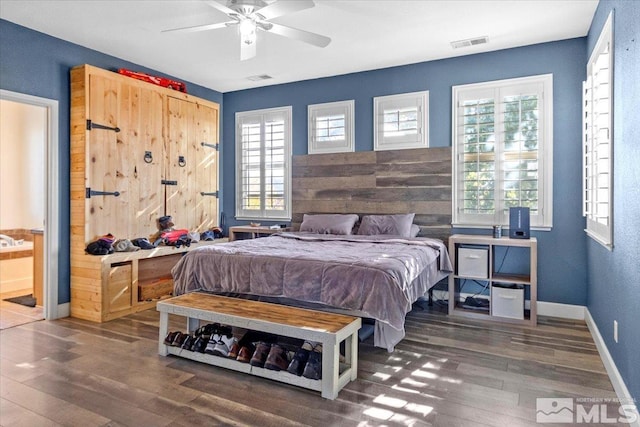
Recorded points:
446,372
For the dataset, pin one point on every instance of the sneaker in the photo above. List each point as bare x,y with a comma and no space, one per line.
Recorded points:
188,342
211,345
224,344
200,344
207,330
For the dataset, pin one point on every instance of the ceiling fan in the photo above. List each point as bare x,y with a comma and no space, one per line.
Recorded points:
253,15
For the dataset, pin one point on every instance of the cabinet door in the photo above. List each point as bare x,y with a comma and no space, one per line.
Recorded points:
119,287
116,160
192,162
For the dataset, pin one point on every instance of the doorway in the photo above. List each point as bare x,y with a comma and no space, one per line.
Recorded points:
49,163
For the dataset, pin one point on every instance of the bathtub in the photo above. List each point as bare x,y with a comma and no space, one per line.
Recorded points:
16,268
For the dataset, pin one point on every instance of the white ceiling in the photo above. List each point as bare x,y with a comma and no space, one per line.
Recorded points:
366,34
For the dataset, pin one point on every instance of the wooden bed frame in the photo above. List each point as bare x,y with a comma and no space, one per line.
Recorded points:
377,182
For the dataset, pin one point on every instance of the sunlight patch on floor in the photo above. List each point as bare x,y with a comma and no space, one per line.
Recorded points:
414,383
390,401
404,389
423,410
424,374
396,403
386,415
25,365
430,365
382,376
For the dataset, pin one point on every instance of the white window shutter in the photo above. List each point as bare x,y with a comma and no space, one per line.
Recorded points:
263,172
503,146
401,121
331,127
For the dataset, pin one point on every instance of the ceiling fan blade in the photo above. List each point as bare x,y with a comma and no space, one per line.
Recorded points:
204,27
281,7
222,8
247,51
294,33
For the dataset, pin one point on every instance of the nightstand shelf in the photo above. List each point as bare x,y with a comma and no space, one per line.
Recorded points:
506,290
254,231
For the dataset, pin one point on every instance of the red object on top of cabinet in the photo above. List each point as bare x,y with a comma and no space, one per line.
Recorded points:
160,81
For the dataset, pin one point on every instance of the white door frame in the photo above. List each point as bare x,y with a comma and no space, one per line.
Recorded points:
51,216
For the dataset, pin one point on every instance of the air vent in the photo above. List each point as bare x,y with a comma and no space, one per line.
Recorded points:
470,42
259,77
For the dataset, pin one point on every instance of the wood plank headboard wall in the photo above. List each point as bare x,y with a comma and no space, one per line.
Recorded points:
377,182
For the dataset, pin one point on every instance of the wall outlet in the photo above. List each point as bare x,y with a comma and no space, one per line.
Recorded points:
615,331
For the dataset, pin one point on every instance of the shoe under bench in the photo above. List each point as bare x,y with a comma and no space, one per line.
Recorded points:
328,328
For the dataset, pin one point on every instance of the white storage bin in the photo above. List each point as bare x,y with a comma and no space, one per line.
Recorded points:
507,302
473,263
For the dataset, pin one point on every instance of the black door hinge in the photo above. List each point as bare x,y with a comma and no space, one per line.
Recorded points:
89,193
206,144
91,125
214,194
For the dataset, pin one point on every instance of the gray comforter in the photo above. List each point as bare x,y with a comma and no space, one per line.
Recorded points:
372,276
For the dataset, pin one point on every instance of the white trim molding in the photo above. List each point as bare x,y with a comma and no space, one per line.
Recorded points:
401,121
331,127
578,312
502,142
51,219
563,311
597,139
614,375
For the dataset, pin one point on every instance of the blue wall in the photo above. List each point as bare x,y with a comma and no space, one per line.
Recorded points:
572,268
562,252
36,64
614,276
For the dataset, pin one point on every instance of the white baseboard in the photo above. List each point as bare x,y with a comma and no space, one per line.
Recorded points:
564,311
554,309
579,312
614,375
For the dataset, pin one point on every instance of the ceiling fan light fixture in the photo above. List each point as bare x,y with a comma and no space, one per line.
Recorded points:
253,15
247,29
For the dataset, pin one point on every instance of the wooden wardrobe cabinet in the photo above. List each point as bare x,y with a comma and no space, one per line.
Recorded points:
138,152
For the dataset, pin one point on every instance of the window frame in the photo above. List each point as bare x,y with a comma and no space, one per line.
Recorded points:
592,155
261,116
543,221
345,145
383,142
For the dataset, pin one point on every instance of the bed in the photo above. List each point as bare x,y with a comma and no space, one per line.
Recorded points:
372,276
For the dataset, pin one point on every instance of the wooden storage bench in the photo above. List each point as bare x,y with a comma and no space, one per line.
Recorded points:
106,287
327,328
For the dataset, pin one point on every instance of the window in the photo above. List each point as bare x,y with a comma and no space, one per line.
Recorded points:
401,121
597,140
502,151
263,156
331,127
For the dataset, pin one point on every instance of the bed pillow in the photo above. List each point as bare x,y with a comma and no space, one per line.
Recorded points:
415,230
397,225
329,223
